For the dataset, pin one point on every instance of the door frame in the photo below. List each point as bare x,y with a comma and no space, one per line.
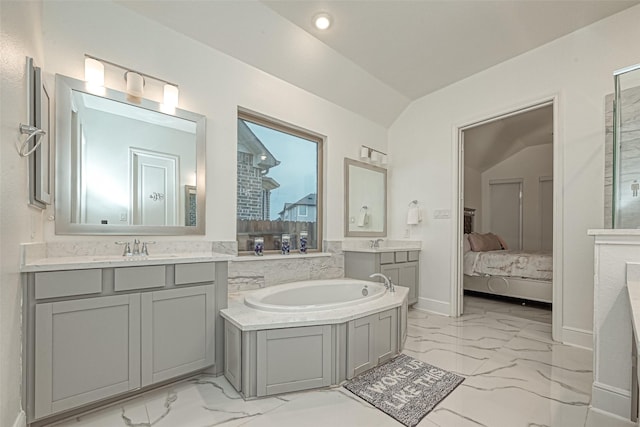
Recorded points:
558,206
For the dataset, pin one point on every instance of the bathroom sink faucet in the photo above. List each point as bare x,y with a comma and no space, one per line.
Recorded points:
387,282
137,251
136,247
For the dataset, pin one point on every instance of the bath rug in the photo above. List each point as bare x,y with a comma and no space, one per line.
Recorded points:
404,388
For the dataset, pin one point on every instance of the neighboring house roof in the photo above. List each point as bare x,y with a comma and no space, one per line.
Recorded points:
308,200
248,142
269,183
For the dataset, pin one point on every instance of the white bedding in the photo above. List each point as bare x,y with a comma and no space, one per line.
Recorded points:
509,263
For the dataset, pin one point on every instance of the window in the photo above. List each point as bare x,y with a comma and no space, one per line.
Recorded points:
279,184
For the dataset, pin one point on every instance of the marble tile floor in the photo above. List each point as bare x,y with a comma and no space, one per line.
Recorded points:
515,376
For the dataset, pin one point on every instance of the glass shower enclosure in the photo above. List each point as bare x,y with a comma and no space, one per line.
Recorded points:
626,148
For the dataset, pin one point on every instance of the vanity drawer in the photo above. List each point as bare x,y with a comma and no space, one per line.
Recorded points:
414,255
387,258
401,256
131,278
195,273
54,284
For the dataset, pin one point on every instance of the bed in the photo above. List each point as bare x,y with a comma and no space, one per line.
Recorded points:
492,269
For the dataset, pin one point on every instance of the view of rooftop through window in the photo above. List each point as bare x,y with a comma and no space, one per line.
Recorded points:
277,186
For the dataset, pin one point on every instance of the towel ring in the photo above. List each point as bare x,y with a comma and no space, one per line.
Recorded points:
32,131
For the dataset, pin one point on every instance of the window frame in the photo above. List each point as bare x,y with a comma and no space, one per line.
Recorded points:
297,131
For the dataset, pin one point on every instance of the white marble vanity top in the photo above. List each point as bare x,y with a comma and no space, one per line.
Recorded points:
633,288
384,246
249,319
106,261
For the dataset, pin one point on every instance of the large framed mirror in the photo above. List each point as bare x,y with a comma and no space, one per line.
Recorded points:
126,165
365,204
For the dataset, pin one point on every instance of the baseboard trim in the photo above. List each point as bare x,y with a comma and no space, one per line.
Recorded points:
577,337
612,400
21,420
433,306
599,418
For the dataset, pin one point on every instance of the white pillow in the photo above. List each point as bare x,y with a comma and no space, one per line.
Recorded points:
466,244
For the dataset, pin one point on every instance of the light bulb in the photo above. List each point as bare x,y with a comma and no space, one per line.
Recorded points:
322,21
171,94
93,72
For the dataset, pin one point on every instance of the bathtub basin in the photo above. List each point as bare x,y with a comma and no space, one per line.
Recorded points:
315,295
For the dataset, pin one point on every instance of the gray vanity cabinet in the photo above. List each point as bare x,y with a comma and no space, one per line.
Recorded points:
73,338
402,267
177,332
99,334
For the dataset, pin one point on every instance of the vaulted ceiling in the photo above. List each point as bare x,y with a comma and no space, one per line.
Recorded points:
379,55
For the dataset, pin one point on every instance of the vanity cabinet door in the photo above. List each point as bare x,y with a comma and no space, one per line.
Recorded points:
409,278
177,332
85,350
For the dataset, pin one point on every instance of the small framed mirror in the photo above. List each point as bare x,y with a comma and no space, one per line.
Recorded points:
126,166
365,189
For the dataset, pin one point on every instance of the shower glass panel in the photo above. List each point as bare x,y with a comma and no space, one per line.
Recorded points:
626,153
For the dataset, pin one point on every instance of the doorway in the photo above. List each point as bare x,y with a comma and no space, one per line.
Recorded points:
508,196
154,181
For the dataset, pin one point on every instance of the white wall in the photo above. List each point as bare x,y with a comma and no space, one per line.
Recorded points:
528,164
20,24
213,84
578,69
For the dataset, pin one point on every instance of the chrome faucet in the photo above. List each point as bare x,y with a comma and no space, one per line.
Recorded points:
136,247
387,282
137,251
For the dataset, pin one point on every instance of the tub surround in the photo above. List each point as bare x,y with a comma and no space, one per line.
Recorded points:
252,272
268,353
249,319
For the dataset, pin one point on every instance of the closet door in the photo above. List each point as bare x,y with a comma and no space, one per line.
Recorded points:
506,210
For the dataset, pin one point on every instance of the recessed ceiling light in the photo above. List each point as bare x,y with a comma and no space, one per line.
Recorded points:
322,21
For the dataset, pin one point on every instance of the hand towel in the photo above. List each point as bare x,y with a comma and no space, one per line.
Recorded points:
414,216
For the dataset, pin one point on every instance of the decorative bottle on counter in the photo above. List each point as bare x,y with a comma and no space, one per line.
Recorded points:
303,242
286,244
258,246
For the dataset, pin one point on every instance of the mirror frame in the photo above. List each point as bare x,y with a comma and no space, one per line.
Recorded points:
348,233
63,172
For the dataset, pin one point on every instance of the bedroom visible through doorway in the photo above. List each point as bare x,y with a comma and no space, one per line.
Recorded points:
506,196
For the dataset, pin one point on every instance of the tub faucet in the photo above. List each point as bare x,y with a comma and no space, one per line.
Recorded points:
387,282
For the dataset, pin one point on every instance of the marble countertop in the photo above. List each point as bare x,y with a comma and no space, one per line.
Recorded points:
633,288
249,319
385,249
107,261
385,246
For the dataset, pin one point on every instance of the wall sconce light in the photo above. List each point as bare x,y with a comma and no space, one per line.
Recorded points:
135,80
372,155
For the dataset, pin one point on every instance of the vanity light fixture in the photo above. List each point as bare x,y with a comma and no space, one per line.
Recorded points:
171,94
135,83
93,71
372,155
135,80
322,21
